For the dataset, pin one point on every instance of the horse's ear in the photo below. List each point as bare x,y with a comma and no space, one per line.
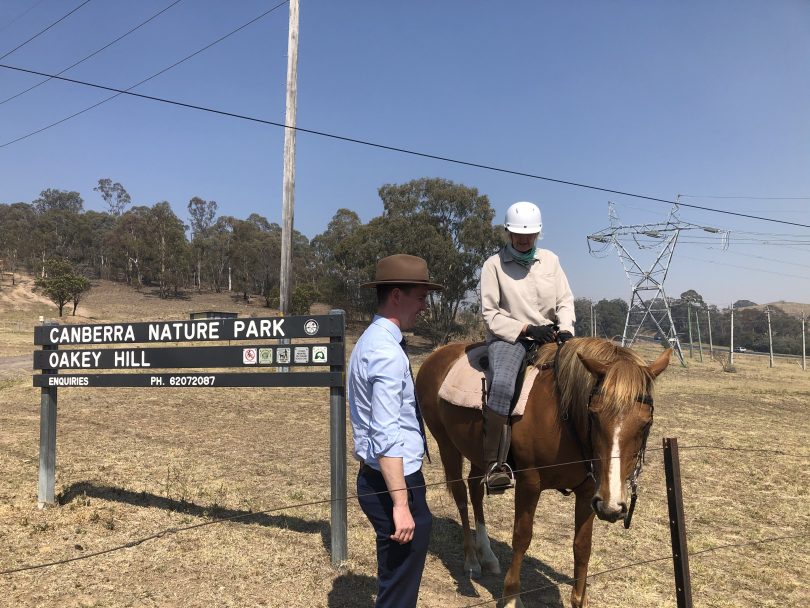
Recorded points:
660,364
597,368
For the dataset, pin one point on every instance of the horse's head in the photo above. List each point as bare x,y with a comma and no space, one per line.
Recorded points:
620,412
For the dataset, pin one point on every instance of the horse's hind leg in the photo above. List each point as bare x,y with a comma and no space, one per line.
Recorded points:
453,463
489,563
582,544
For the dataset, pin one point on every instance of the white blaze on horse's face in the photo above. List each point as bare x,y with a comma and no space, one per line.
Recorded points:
616,443
617,436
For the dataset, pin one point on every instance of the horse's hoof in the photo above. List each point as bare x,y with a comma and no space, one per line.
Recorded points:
579,602
473,572
491,567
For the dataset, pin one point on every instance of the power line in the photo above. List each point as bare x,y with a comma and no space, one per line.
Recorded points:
94,53
783,274
21,15
752,198
127,91
355,140
759,257
38,34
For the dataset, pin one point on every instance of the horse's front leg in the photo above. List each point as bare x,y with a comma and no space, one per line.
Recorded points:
489,562
582,544
527,493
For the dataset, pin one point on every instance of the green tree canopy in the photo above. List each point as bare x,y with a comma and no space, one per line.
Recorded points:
61,200
114,194
448,224
62,284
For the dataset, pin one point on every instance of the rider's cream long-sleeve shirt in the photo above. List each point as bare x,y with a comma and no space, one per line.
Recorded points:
513,295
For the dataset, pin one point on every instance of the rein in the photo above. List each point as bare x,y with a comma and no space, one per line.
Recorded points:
586,456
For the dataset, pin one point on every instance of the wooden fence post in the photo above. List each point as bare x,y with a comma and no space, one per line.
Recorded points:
677,526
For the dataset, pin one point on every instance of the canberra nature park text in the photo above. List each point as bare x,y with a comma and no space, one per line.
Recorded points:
169,331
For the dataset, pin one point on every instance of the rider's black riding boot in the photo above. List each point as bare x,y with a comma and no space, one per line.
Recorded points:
497,437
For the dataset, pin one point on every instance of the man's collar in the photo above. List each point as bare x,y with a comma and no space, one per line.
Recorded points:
388,326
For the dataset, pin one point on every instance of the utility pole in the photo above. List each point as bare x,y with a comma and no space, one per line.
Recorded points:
288,189
689,323
709,321
731,339
770,336
593,323
804,350
700,342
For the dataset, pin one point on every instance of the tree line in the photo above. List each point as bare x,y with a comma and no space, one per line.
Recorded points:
449,224
750,323
149,246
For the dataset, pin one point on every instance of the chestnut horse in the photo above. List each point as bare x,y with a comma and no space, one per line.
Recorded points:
591,402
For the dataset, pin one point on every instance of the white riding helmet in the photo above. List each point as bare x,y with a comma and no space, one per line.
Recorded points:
523,218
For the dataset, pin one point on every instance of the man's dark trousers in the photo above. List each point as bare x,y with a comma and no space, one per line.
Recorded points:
399,567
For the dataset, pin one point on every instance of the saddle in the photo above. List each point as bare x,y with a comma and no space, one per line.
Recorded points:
463,385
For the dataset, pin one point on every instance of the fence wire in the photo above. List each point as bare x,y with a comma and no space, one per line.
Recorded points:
176,530
641,563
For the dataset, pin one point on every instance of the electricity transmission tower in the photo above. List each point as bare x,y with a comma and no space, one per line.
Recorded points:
648,301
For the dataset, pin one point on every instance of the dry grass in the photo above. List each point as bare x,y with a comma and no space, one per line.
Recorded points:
131,463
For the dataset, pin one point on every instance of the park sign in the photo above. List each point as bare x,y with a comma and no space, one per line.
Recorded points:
121,350
269,352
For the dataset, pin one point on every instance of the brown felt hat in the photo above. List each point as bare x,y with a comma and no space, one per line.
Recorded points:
402,269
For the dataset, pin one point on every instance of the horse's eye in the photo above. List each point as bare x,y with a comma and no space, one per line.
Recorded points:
595,406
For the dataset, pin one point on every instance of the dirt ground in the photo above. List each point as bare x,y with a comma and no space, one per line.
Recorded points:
134,463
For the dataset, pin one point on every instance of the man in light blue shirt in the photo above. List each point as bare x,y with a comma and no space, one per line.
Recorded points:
389,437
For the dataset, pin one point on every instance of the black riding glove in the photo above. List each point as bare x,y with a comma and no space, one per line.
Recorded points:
542,334
564,336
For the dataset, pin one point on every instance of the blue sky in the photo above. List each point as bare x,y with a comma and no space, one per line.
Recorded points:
661,99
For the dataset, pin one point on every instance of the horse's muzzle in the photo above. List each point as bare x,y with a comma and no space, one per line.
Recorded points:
607,512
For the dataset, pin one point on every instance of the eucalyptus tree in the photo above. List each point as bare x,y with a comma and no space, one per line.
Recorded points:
16,244
201,214
450,225
114,194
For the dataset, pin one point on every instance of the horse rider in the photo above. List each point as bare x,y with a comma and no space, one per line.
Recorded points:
389,436
525,300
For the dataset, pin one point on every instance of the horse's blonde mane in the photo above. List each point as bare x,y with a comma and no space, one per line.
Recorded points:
628,376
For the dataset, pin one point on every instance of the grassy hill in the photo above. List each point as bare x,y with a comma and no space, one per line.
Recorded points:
110,301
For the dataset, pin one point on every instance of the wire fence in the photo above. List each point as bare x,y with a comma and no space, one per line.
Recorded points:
254,514
16,327
640,563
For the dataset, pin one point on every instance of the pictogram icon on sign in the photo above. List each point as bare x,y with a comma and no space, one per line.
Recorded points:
249,356
319,354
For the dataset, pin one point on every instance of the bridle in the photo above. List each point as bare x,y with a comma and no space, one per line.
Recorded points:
632,480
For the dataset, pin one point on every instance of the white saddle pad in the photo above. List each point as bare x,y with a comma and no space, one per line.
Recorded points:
462,385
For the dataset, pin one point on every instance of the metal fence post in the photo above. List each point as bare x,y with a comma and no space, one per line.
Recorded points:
337,454
677,526
47,442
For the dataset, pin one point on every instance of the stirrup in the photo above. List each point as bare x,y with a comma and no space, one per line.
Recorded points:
501,468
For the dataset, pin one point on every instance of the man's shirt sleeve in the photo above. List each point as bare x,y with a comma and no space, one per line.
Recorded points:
386,374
